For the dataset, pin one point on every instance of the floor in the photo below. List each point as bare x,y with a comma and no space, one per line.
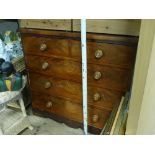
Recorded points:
41,126
46,126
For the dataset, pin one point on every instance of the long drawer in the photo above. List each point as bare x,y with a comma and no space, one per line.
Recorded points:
107,53
98,97
69,109
100,76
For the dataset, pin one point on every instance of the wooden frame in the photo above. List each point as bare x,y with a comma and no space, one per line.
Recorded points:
56,24
111,26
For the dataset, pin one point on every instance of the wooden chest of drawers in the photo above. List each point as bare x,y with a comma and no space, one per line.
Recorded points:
53,61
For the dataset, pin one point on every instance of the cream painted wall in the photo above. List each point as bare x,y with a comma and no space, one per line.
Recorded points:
146,123
141,119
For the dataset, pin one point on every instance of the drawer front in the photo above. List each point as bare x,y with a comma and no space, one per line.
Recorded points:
110,78
103,98
100,76
55,67
55,86
45,46
98,97
70,110
104,53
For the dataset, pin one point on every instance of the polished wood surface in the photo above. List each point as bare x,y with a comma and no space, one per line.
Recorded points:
110,78
69,109
113,54
101,76
53,59
54,46
61,68
117,39
73,91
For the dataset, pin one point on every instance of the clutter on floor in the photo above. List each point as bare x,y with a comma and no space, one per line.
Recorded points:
12,82
10,51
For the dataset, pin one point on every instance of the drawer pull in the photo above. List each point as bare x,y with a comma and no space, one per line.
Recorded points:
47,85
49,104
43,47
98,54
97,97
95,118
97,75
45,65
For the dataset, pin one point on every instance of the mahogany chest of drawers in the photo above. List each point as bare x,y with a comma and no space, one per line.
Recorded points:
53,61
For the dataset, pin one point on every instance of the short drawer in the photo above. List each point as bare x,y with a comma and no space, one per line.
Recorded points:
40,45
56,67
97,97
68,109
103,98
109,54
55,86
109,77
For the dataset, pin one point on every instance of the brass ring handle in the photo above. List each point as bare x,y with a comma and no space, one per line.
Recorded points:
49,104
45,65
43,47
95,118
98,54
47,85
97,75
96,97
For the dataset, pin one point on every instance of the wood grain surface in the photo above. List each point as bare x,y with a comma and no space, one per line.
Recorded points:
71,110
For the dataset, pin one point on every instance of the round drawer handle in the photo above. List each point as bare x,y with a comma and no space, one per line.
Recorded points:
49,104
47,85
97,75
96,97
43,47
95,118
45,65
98,54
